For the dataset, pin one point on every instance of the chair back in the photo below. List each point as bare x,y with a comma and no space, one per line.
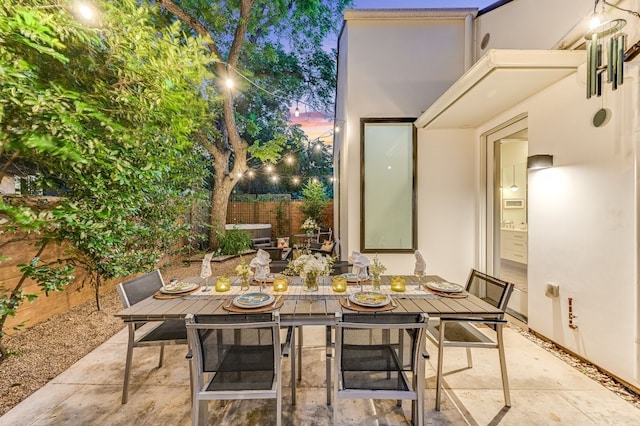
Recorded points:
492,290
367,343
275,253
241,350
137,289
324,234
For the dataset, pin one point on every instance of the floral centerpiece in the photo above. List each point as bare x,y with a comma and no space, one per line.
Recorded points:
244,272
309,225
376,268
310,267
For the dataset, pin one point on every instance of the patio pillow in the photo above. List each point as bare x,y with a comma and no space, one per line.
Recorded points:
283,242
327,246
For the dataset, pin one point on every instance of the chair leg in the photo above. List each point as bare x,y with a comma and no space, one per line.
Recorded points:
299,352
439,369
199,413
328,363
161,356
292,356
127,365
503,367
469,359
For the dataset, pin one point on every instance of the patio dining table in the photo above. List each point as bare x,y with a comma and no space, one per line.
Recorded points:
302,308
311,308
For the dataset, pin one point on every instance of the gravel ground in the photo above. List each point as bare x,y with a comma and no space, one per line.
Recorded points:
47,349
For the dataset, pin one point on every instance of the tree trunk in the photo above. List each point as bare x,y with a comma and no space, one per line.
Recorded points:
98,307
219,202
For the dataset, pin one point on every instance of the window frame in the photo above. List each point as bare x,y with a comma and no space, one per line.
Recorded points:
413,231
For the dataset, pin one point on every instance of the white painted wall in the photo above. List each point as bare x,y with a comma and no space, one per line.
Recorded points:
395,68
545,22
582,222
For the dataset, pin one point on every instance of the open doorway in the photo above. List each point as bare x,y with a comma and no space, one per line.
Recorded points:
508,221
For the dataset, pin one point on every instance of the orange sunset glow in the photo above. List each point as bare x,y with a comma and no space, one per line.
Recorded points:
315,125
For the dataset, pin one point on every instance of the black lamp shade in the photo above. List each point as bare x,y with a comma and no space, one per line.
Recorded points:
540,161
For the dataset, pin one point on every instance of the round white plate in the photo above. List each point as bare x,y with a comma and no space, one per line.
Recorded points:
179,287
370,299
445,287
253,300
351,277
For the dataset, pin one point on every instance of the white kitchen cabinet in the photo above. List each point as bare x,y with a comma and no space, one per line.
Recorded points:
513,245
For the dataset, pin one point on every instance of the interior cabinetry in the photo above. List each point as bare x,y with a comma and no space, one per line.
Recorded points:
513,245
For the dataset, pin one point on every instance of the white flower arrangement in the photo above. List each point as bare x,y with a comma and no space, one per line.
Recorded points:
309,225
310,264
376,267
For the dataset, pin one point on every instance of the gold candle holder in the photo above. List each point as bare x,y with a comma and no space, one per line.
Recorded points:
398,284
223,283
339,284
280,283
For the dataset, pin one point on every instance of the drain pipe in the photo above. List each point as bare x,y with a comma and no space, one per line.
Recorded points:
468,41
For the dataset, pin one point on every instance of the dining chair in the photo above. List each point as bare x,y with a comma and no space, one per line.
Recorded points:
234,357
463,332
380,356
157,333
339,267
324,234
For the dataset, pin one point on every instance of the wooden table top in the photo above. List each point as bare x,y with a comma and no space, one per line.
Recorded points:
310,308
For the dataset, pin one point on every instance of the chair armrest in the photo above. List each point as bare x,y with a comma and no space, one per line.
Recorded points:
474,319
286,346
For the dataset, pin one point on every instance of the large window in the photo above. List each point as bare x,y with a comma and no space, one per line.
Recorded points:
388,222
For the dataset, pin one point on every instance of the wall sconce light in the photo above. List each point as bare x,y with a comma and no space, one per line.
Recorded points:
540,161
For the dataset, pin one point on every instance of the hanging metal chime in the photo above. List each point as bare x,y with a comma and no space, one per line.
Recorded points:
605,43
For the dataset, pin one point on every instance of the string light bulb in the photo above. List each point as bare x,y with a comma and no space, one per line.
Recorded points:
269,168
337,128
229,83
85,11
296,113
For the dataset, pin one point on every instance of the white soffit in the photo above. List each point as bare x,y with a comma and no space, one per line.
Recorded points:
497,82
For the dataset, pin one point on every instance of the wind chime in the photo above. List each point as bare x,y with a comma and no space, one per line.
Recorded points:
605,43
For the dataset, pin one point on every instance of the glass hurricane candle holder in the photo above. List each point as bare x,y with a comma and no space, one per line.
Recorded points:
280,283
398,284
223,283
339,284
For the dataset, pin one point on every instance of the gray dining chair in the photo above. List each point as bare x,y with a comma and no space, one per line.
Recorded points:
234,357
157,333
380,356
464,332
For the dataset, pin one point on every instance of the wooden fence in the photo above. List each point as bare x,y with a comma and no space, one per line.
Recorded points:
78,292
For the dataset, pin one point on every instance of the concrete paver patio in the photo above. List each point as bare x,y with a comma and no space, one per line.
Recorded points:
544,390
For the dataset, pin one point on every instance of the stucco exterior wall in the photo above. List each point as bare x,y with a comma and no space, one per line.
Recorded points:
394,69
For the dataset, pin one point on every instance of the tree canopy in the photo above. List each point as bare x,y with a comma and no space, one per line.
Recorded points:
274,53
107,117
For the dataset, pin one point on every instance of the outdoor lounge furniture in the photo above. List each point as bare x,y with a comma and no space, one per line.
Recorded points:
240,354
462,332
380,356
143,333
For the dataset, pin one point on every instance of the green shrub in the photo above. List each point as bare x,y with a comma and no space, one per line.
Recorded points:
314,200
233,241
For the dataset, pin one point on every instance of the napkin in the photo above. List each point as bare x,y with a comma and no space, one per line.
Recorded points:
205,271
261,264
421,265
360,265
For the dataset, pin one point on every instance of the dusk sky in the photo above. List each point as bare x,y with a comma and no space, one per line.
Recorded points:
318,125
